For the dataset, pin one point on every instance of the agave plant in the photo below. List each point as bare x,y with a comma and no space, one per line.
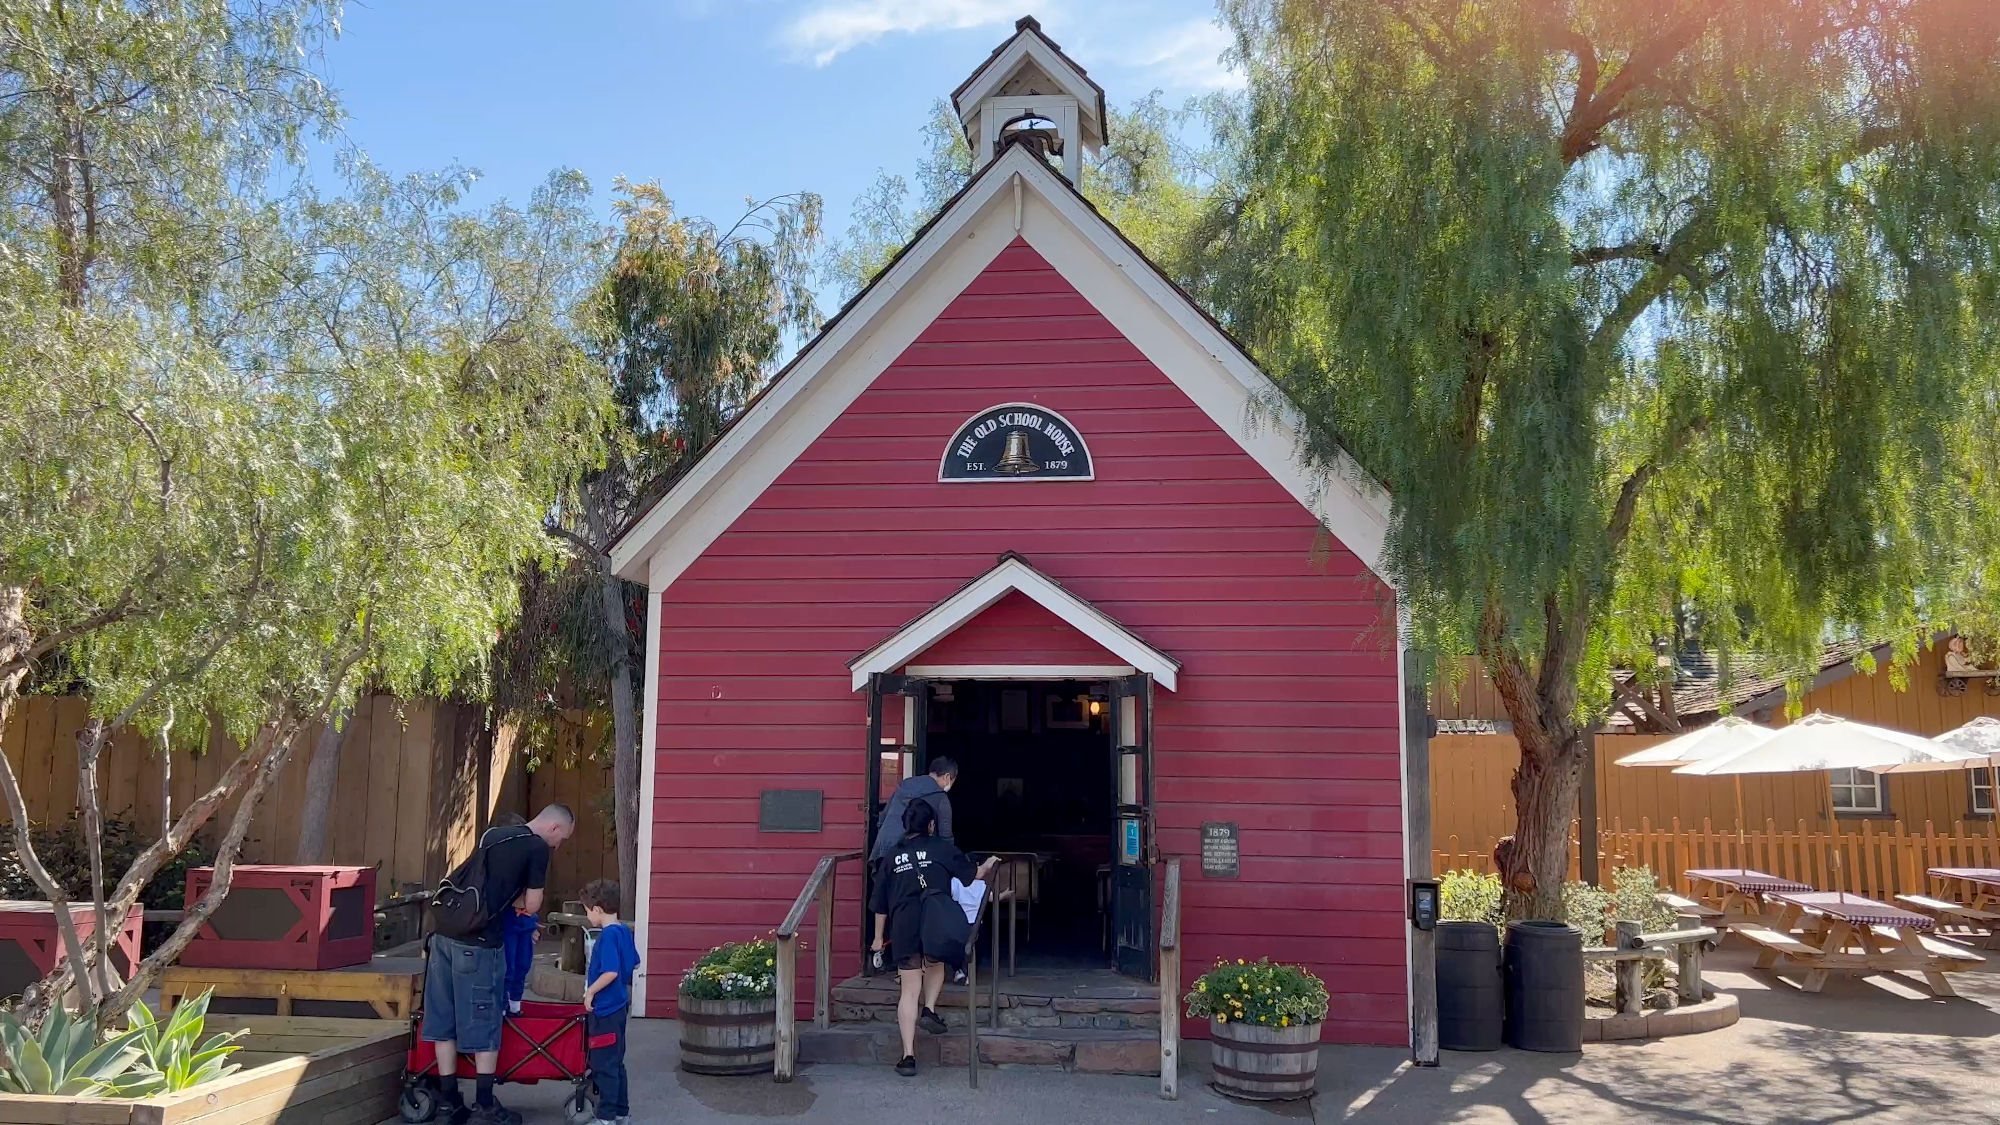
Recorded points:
170,1060
65,1057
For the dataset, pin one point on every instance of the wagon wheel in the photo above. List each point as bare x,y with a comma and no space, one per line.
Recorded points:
418,1102
582,1103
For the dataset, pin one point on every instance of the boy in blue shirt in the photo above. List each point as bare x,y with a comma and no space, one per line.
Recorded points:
607,993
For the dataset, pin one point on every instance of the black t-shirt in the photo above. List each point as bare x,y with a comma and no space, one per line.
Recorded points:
516,860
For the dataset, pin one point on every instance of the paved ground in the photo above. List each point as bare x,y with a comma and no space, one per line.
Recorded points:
1873,1051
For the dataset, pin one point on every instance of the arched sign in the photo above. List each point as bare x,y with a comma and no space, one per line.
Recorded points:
1016,441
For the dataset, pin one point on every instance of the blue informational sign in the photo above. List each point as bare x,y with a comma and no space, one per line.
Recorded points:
1131,843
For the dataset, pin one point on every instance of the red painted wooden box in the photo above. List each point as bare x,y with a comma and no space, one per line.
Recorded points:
30,947
285,917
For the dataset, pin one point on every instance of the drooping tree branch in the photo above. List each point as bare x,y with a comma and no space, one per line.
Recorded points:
1590,116
1641,251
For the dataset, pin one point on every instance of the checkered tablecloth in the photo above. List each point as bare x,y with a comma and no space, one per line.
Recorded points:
1857,910
1752,882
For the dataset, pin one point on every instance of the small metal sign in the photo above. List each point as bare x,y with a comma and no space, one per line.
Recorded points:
1016,441
1218,850
789,810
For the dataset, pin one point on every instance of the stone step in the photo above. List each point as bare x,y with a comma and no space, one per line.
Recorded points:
1084,1050
874,1001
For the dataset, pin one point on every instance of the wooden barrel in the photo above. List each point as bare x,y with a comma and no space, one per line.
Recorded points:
1264,1063
728,1036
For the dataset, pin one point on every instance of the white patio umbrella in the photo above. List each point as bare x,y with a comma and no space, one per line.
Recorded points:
1828,742
1726,735
1980,736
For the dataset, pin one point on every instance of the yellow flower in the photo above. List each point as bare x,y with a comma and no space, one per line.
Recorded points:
1239,960
1201,986
1284,1021
1221,1017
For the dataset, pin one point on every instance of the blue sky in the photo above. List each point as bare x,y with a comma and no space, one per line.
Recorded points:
717,100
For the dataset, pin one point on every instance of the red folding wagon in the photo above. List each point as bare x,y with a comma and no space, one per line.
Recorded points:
545,1043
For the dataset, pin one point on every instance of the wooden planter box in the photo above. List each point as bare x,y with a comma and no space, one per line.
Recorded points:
728,1036
285,917
295,1072
30,948
1264,1063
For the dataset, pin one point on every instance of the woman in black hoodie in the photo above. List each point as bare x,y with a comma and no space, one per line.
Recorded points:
927,928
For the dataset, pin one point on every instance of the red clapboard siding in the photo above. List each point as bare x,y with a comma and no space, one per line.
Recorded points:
1286,718
1016,630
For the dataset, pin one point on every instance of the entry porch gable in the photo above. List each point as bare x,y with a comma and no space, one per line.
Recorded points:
914,642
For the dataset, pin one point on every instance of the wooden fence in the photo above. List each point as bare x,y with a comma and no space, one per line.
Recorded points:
1877,859
411,794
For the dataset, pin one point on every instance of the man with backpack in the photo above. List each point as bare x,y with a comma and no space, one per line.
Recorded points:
466,980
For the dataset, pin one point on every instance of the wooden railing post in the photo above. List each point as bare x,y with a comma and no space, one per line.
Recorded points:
1688,962
823,955
1631,974
1170,983
786,1064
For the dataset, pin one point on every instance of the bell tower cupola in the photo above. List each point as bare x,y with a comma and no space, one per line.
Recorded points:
1028,92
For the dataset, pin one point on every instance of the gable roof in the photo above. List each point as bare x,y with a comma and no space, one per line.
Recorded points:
1030,44
1013,573
1017,195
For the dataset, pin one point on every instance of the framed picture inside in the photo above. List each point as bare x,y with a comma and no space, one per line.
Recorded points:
1066,713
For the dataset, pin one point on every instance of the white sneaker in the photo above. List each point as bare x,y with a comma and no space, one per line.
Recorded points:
513,1007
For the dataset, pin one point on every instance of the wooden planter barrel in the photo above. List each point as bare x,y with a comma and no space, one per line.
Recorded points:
728,1036
1265,1064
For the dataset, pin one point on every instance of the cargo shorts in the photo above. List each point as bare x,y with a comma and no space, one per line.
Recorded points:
463,987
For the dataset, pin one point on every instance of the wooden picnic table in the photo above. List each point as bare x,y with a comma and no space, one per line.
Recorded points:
1741,891
1827,932
1979,908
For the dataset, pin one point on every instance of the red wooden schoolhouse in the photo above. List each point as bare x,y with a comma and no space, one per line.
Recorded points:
1023,504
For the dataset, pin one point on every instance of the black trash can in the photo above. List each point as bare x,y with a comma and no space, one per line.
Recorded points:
1472,1007
1544,986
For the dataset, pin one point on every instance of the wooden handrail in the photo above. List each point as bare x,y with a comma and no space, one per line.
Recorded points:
819,889
1170,982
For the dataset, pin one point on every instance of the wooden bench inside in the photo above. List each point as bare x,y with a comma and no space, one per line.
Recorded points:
1946,908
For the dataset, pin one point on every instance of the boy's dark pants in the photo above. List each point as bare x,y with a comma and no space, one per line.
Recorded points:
607,1062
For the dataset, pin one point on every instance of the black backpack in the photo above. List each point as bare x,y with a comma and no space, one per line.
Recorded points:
458,907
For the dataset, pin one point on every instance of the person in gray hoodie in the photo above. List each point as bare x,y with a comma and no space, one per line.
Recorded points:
934,789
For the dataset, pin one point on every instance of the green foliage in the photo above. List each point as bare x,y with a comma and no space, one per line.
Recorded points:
261,445
64,1057
738,970
1470,896
1258,992
1646,314
174,1057
63,851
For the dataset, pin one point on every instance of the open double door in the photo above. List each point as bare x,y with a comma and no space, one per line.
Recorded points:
1129,760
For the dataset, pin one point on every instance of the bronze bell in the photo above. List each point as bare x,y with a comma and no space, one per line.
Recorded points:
1014,461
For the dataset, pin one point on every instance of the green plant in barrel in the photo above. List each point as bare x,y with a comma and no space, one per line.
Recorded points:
737,970
1260,992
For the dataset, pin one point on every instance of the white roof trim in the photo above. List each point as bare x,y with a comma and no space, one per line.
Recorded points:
1018,671
837,367
970,601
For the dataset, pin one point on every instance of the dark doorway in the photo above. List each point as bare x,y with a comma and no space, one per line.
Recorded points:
1034,785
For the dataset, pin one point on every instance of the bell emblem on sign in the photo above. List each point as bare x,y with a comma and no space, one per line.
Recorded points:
1014,460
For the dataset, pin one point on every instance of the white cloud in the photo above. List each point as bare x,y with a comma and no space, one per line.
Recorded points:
1188,57
830,28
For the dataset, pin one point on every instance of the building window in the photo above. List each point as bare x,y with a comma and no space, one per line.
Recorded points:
1982,792
1857,791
